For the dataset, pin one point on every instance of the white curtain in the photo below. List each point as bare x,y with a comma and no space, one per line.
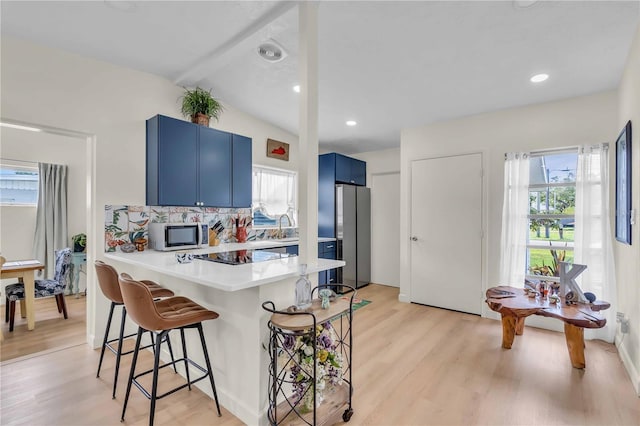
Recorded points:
593,246
51,216
274,192
515,221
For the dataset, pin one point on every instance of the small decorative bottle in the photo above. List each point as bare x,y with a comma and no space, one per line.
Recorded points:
303,289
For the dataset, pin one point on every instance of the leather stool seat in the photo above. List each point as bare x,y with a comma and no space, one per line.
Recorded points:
178,311
161,317
108,281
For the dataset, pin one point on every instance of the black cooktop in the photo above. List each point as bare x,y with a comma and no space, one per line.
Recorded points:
240,257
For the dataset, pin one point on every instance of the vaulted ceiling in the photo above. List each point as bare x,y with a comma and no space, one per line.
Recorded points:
386,65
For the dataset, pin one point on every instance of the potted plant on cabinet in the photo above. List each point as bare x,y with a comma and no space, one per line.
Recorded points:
79,242
200,106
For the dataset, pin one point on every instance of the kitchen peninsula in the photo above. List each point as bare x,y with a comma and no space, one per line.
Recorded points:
235,340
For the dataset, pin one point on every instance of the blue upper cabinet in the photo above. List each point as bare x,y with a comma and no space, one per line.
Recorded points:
358,172
214,169
335,168
326,195
242,171
192,165
350,170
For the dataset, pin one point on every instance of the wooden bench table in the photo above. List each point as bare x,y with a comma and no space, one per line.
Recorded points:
514,306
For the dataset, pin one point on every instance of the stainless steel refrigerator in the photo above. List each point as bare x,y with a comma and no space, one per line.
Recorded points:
353,234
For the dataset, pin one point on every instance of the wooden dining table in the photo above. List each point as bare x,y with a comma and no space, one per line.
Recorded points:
24,269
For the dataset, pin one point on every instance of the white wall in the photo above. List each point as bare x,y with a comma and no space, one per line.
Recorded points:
55,88
584,120
628,257
18,222
383,177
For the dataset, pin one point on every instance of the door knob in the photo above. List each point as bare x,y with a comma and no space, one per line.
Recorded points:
414,238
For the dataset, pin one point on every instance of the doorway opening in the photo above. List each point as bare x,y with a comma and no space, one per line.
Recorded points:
25,144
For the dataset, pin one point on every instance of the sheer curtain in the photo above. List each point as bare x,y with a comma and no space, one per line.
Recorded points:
515,221
593,245
51,216
274,192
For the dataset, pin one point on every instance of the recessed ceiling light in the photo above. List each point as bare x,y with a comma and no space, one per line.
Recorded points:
271,51
351,123
539,78
19,127
296,88
122,5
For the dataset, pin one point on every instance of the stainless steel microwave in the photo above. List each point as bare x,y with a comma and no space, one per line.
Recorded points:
178,236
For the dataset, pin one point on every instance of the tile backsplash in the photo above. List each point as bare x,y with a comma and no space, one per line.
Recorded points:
123,224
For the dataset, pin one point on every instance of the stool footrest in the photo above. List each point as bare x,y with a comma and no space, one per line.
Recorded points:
130,351
184,385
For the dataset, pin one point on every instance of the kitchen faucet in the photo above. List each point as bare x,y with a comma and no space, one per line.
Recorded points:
280,232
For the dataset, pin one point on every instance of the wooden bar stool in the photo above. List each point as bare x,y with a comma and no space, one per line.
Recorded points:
161,317
108,281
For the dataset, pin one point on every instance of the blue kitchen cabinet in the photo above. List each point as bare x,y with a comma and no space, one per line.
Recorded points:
192,165
327,250
242,171
214,168
335,168
172,162
326,196
293,250
349,170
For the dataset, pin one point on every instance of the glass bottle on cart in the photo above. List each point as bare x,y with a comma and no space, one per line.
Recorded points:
303,289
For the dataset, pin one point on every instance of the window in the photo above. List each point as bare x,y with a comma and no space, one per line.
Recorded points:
552,202
18,185
274,195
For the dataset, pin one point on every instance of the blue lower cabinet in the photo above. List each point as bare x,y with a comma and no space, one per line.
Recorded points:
292,250
327,250
322,278
332,276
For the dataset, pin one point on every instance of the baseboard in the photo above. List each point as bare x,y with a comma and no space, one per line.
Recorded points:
91,341
628,364
404,298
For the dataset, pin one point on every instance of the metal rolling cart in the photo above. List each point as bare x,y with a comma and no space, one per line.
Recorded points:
305,349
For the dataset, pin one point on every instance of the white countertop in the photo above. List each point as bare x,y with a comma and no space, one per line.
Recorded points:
227,277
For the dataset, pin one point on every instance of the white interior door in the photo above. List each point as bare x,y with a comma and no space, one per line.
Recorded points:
385,229
446,232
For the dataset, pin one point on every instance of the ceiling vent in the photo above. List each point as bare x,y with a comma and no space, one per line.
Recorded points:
271,51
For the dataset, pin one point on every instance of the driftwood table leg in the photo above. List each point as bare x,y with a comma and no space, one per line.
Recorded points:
519,326
575,344
508,330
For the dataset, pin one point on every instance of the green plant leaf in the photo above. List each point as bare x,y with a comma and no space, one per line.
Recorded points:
200,101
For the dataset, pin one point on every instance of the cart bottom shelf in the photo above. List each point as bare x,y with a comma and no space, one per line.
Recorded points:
330,412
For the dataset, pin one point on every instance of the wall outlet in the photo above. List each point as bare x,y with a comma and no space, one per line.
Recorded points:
624,326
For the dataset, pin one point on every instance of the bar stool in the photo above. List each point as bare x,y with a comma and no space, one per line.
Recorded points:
161,317
108,281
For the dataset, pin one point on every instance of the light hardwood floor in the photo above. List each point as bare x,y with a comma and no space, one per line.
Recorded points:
52,330
413,365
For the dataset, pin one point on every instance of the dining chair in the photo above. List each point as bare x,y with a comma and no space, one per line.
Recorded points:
43,288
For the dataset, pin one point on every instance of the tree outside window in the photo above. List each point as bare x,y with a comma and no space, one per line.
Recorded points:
552,201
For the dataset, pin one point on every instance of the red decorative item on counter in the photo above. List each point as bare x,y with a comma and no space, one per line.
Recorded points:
241,234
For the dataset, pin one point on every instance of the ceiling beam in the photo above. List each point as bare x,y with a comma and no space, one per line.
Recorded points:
195,72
